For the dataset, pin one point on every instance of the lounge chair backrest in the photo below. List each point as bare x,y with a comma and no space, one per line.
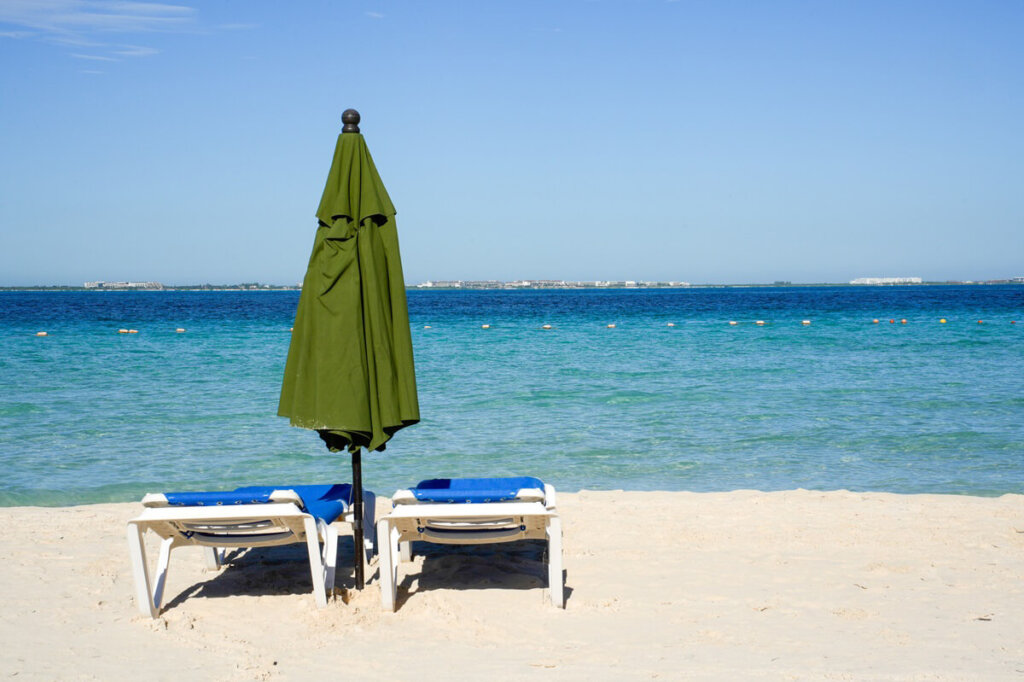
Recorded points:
219,499
474,490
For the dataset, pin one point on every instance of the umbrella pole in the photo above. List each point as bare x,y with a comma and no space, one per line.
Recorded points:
357,516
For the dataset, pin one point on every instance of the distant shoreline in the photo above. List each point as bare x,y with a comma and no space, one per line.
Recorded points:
59,289
272,288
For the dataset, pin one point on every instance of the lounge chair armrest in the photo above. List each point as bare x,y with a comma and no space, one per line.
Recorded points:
530,495
549,496
404,496
154,500
286,496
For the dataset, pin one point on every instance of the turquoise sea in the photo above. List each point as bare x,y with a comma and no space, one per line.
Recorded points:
89,415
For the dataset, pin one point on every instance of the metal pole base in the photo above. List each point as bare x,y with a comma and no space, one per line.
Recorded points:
357,525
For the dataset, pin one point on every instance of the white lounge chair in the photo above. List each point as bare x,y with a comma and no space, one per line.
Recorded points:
468,511
256,516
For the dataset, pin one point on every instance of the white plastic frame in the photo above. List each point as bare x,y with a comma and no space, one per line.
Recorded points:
532,515
215,528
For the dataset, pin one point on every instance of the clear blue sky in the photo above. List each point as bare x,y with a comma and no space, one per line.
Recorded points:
700,141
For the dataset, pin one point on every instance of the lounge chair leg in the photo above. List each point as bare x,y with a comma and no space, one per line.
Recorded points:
556,588
148,595
329,536
405,550
213,557
316,565
369,524
161,572
387,549
140,570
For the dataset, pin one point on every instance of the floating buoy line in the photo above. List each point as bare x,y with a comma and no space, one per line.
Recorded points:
759,323
611,325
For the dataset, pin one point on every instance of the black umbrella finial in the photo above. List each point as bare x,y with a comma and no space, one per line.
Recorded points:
350,117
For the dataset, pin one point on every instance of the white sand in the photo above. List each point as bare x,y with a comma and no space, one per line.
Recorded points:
726,586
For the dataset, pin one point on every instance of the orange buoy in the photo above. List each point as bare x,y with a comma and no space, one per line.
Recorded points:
546,326
671,324
733,323
903,321
122,331
41,334
180,330
759,323
980,322
611,326
133,331
874,321
805,322
892,321
485,326
942,321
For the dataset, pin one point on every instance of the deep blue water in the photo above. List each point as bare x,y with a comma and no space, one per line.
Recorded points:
87,414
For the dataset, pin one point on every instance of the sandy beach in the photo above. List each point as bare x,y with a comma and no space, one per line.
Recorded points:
743,585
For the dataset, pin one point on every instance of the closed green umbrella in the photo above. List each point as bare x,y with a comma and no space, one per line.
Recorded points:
349,373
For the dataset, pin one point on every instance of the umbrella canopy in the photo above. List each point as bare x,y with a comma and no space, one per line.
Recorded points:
349,373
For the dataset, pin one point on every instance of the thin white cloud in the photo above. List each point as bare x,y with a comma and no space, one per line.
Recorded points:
238,27
93,57
90,71
74,41
374,15
76,17
136,51
91,24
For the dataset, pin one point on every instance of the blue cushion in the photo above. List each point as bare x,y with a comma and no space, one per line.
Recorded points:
470,490
325,502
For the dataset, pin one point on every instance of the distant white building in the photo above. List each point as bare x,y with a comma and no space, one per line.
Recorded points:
886,280
441,284
124,285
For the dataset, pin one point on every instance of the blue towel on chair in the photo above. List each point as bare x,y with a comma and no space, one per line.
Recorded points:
473,490
326,502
